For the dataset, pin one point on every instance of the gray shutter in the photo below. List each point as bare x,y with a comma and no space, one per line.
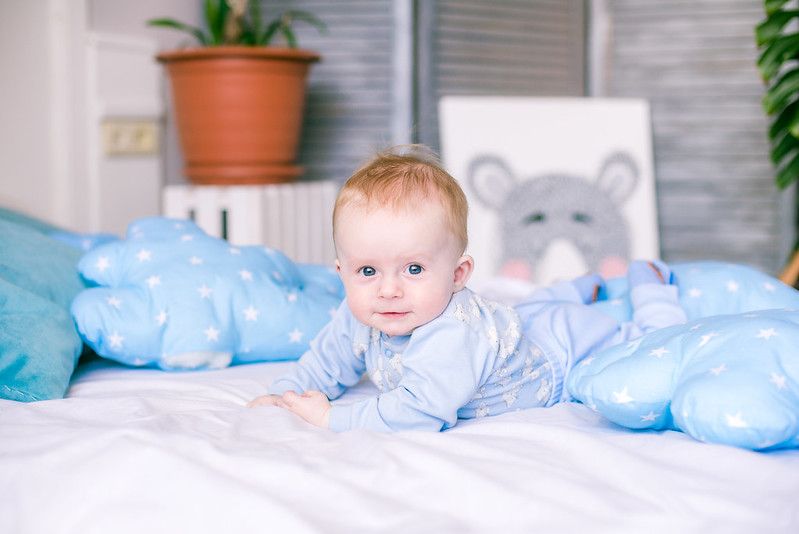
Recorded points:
348,113
695,62
512,47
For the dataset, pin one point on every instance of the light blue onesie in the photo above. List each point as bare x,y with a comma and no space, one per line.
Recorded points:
477,358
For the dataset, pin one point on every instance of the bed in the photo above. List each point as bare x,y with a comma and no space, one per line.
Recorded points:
131,449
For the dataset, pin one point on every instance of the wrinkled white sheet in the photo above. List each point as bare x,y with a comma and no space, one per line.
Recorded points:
148,451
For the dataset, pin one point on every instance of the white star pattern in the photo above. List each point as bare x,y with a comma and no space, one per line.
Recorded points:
659,352
622,397
736,421
694,293
245,275
178,226
291,297
211,334
295,336
768,286
144,255
115,340
205,291
194,260
767,333
778,380
651,416
161,318
695,327
587,361
234,251
102,264
277,276
250,313
153,281
186,237
733,286
718,370
114,302
706,338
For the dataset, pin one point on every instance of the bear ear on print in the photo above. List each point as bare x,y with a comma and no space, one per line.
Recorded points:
556,213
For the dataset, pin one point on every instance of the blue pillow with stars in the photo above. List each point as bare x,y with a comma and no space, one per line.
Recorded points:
172,297
731,379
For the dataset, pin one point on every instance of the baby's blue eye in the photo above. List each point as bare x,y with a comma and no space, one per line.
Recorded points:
368,271
415,269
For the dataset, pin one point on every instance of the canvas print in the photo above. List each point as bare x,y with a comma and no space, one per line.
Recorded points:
556,187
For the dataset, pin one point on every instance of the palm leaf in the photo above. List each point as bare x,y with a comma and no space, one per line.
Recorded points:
776,53
782,93
788,173
774,5
771,28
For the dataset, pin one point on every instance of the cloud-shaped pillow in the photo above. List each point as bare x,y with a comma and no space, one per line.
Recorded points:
731,379
173,297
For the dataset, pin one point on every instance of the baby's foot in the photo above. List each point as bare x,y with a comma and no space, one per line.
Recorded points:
588,286
648,272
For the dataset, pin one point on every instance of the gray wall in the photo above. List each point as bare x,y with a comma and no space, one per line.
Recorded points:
695,62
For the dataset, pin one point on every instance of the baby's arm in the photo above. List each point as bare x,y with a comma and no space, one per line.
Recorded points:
442,367
329,365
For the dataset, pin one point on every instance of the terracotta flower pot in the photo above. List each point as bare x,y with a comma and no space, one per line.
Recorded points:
239,111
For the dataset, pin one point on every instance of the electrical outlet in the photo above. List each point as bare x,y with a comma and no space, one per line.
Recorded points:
129,137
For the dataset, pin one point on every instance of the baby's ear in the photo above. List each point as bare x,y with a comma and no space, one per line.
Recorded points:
463,271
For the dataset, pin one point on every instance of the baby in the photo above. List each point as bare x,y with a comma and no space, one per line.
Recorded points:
437,351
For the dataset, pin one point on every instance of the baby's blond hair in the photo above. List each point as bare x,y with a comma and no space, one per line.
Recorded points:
403,177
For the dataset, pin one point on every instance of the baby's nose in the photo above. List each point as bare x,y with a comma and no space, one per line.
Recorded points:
390,287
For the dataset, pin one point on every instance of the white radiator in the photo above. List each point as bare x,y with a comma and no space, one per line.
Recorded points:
294,218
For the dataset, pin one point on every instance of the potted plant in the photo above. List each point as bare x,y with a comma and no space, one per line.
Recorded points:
239,99
778,42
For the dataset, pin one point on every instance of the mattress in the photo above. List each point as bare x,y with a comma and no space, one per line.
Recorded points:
139,450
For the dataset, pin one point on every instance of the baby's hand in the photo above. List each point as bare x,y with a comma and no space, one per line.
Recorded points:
267,400
312,406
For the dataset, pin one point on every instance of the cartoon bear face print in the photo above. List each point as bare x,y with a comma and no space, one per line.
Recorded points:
553,207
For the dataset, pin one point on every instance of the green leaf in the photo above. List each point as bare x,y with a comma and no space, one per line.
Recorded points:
197,33
288,34
782,92
256,20
789,173
776,53
787,144
771,28
774,5
269,33
784,119
215,15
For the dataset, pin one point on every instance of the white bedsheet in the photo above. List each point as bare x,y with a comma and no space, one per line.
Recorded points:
147,451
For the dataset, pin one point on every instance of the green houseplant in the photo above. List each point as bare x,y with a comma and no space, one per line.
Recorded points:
238,98
778,42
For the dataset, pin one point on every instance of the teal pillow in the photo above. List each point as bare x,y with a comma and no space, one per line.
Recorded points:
39,345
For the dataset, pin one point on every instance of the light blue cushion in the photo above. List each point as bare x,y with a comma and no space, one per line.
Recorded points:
172,297
731,379
39,346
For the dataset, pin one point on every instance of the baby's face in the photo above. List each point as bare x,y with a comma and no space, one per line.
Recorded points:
399,267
